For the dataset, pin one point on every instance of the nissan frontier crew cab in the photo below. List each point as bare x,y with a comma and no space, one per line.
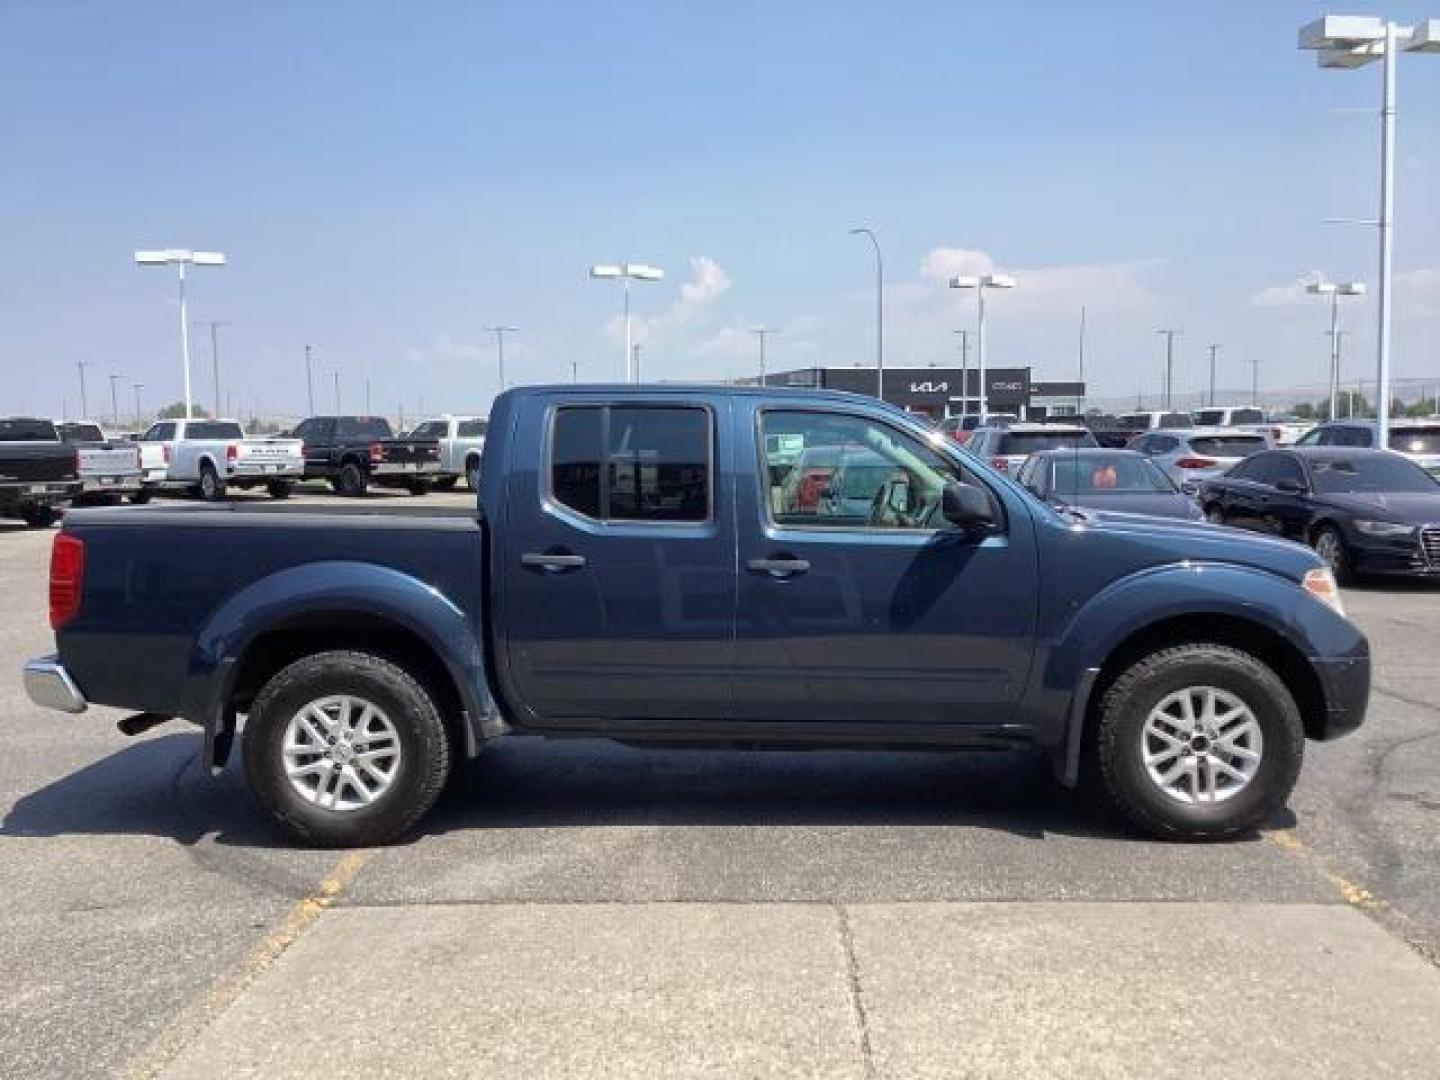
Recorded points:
637,568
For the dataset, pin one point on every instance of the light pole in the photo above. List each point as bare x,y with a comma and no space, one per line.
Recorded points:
635,356
214,325
1335,290
762,332
980,283
310,378
181,258
574,371
1170,336
336,376
627,272
879,311
84,407
1254,362
1351,41
139,416
964,370
500,332
1214,348
114,399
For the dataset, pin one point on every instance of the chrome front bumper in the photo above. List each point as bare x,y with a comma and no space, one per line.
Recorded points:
50,686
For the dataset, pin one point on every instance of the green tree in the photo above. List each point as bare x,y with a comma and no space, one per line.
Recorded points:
176,411
1304,410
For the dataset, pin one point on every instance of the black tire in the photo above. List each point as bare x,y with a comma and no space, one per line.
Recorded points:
418,487
1215,516
1119,742
212,484
472,474
424,754
39,517
353,481
446,483
141,497
1330,546
279,489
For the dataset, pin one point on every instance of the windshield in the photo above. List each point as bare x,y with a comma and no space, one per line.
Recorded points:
213,429
73,433
1410,440
1016,443
1233,446
1105,474
1381,473
21,430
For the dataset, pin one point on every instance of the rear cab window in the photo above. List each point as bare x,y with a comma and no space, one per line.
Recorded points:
1416,440
362,427
1014,443
638,463
23,430
1228,446
209,429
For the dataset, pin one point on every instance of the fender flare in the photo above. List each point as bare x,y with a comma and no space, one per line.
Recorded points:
334,587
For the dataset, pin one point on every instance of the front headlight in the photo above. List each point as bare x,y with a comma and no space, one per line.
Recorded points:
1384,528
1320,583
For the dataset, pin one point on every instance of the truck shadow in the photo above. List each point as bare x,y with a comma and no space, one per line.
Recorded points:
156,787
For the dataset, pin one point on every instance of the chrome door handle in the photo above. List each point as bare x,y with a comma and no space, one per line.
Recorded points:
549,561
779,567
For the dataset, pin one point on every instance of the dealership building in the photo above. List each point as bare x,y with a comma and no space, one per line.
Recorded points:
939,392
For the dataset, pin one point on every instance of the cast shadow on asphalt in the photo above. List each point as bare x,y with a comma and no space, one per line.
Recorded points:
156,787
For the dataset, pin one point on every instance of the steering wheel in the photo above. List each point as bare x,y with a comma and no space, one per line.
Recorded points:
883,510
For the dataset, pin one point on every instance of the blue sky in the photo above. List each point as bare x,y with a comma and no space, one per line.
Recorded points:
387,179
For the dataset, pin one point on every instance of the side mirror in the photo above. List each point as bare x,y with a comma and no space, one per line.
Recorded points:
967,507
1290,487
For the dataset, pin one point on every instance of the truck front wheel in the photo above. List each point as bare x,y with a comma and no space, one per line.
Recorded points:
345,749
1198,742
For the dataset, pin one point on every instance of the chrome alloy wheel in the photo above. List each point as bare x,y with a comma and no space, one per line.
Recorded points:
1328,547
341,752
1202,745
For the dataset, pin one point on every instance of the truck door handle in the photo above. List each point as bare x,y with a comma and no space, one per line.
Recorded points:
779,567
552,560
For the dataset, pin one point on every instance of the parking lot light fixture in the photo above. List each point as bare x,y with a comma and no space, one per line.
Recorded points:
981,282
500,332
1334,290
181,258
879,310
1352,41
627,272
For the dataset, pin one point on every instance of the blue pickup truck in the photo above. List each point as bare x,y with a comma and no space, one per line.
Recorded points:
640,567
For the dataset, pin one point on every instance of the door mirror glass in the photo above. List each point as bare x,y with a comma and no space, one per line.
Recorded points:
967,507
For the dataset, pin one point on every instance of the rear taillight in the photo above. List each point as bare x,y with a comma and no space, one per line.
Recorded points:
67,569
1196,463
1000,463
165,453
377,452
137,456
231,452
75,463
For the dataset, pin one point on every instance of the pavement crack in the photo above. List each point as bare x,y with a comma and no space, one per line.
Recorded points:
857,999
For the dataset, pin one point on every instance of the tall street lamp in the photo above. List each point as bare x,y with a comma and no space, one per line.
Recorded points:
980,283
879,311
137,387
1170,336
964,370
762,332
214,325
310,377
1215,348
84,405
182,257
500,332
627,272
114,399
1335,290
1352,41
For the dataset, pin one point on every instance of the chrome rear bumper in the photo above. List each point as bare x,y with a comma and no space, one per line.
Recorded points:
50,686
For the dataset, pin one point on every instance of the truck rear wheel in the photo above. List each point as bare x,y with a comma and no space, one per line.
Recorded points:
446,483
39,517
1198,742
352,481
472,474
345,749
212,485
279,489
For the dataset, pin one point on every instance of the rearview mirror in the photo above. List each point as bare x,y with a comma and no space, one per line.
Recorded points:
967,507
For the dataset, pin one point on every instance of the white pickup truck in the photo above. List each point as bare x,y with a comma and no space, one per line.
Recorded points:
462,438
210,456
108,468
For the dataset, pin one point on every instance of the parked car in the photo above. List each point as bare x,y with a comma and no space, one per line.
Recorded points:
1006,448
835,482
1190,456
208,457
1227,416
38,473
108,468
461,438
1363,511
630,573
1153,419
1418,440
1117,481
353,452
1286,430
961,426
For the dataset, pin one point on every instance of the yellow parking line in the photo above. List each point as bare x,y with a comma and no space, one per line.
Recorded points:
184,1028
1353,894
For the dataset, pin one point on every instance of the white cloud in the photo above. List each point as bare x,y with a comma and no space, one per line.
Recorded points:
942,264
1115,285
1287,295
708,281
444,348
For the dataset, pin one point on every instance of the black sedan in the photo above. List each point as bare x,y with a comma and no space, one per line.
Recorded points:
1108,481
1364,511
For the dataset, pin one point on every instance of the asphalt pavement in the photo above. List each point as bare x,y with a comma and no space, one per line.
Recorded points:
584,909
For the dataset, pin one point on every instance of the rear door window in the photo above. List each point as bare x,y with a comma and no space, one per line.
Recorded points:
432,429
1416,440
159,433
471,429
